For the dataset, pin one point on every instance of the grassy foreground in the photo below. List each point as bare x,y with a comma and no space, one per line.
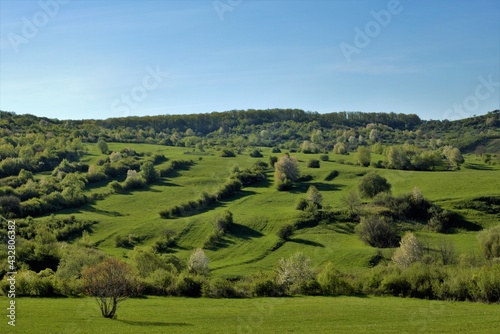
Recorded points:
260,315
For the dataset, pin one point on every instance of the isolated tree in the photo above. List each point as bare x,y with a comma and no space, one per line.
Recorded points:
453,156
364,156
314,196
371,184
376,232
198,263
148,172
286,171
110,282
103,146
352,202
410,250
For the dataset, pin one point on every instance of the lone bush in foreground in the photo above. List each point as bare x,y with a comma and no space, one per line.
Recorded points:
110,282
372,184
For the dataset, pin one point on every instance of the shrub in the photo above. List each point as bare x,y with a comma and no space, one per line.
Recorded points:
371,184
332,282
490,242
189,286
294,271
227,153
268,288
324,157
286,172
275,150
220,288
285,232
314,196
376,232
256,154
313,163
409,251
134,181
302,204
115,187
198,263
273,160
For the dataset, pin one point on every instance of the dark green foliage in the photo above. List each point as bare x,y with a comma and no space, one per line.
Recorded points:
285,232
227,153
376,232
269,288
324,157
256,154
301,204
10,206
220,288
313,163
273,160
148,172
103,146
372,184
189,286
175,165
275,150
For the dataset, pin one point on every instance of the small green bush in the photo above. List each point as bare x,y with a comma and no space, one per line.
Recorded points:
313,163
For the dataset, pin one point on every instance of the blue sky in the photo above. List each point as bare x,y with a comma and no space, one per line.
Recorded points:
72,59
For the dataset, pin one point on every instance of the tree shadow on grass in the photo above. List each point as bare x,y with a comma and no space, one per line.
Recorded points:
244,232
307,242
477,166
155,323
301,188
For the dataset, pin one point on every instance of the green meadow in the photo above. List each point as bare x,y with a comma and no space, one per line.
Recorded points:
259,210
258,315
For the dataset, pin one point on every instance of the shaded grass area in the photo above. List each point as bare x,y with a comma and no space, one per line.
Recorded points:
260,315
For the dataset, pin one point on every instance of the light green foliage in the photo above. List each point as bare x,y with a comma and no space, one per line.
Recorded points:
372,183
314,196
410,251
490,242
286,171
198,263
103,146
339,148
148,172
364,156
294,271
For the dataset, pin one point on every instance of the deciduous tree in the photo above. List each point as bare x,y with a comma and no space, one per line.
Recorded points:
110,282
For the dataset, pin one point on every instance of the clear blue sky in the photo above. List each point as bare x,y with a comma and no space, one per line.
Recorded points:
99,59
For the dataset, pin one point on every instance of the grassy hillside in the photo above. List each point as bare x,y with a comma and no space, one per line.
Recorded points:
260,210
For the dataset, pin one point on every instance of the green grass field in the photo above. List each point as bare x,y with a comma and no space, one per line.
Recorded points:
260,210
260,315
